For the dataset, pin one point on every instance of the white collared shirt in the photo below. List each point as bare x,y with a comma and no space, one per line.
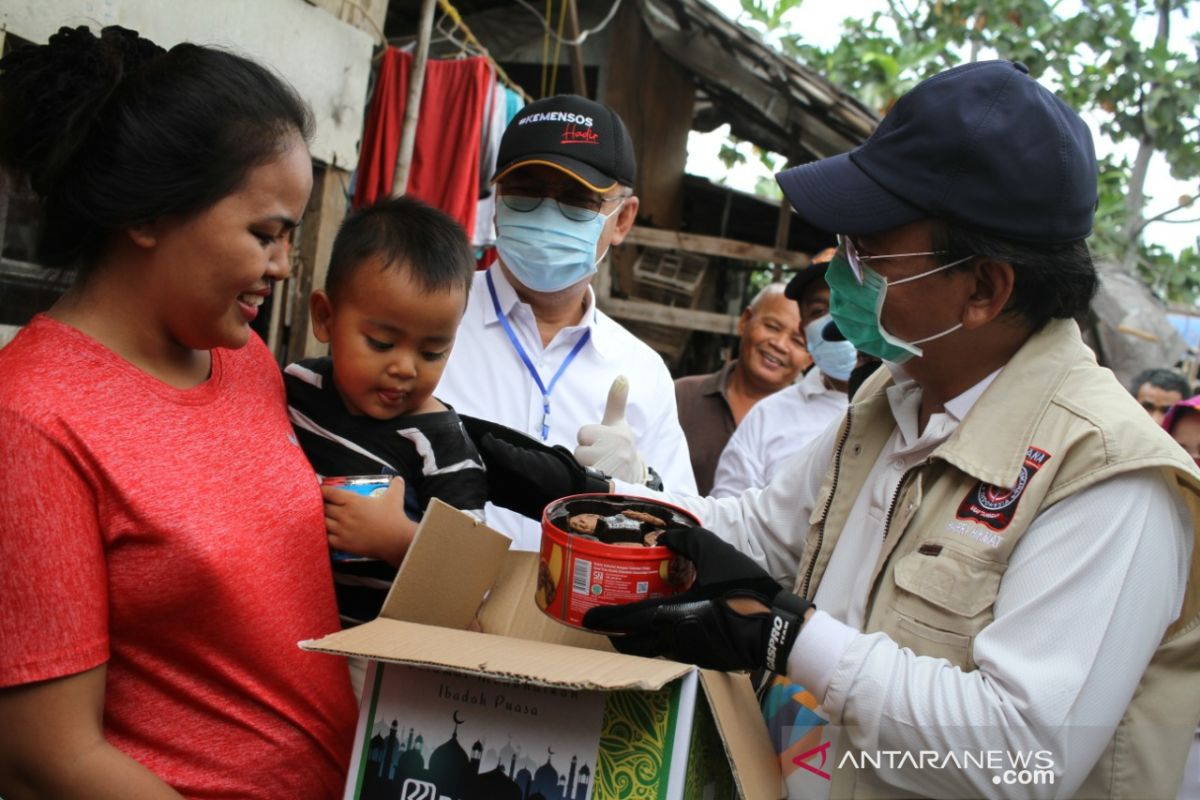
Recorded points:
844,587
486,378
777,427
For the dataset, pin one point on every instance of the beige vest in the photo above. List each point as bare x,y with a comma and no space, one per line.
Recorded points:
1051,424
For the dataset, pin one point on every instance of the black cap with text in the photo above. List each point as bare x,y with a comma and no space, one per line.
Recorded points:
816,269
583,138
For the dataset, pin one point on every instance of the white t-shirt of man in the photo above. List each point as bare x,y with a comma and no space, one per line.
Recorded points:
486,378
778,427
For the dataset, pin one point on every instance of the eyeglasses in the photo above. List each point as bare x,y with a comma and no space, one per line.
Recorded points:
857,261
577,209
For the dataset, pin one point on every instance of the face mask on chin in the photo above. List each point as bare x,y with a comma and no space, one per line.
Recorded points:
545,251
857,308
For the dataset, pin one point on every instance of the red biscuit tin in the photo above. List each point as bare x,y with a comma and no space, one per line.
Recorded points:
593,554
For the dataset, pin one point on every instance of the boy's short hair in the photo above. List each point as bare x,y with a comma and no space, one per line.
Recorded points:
403,232
1166,379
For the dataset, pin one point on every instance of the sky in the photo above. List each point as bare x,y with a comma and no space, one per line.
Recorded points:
822,23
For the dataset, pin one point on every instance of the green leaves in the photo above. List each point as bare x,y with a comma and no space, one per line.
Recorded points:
730,156
1110,59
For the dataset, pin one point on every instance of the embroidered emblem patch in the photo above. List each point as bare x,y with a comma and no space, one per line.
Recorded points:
994,506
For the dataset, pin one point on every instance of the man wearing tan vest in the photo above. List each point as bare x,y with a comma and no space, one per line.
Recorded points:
985,577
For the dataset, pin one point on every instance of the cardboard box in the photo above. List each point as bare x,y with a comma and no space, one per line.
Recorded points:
531,693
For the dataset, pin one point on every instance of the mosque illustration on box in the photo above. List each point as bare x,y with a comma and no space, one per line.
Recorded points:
397,763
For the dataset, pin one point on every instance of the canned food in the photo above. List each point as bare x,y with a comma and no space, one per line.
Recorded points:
599,549
367,485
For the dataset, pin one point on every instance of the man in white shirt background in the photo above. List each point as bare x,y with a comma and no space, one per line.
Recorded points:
780,425
770,356
534,352
994,554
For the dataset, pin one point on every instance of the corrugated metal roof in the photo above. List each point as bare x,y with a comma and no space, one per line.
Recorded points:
766,96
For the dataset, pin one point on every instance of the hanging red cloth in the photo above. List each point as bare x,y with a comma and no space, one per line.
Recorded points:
445,161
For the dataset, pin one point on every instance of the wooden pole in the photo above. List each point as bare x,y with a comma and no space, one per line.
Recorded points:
577,74
326,209
412,110
782,230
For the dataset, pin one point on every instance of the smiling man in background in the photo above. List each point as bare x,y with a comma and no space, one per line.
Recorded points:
770,357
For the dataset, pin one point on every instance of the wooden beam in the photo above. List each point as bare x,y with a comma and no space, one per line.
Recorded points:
715,246
783,227
686,318
656,98
578,77
326,210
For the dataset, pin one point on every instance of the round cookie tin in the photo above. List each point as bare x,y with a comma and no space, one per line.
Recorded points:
597,549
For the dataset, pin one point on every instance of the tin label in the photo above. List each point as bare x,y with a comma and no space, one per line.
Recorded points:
570,582
366,485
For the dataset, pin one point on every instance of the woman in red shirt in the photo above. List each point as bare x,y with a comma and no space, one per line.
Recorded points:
161,534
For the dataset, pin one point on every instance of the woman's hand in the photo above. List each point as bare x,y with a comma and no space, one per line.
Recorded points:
52,745
374,527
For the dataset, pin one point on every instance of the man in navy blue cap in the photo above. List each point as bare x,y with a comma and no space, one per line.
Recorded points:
1000,542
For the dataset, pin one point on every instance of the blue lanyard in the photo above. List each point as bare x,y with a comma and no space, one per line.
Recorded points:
512,337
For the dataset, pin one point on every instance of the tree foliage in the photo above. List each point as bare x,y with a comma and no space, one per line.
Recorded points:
1136,89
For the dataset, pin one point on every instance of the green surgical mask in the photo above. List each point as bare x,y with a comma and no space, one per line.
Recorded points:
857,309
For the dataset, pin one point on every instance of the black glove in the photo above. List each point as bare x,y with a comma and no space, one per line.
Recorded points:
524,474
698,626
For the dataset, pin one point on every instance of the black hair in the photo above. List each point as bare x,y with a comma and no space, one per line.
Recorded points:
1050,281
1166,379
112,130
402,233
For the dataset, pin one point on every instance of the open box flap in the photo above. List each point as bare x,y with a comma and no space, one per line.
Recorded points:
451,564
498,657
511,611
747,743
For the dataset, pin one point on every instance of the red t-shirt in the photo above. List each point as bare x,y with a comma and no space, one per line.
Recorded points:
178,535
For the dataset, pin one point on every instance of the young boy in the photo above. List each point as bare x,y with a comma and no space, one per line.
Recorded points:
394,295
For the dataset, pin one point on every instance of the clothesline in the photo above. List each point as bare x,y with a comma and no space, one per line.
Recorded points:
450,11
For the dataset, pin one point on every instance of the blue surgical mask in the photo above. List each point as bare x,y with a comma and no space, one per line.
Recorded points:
835,359
545,251
857,309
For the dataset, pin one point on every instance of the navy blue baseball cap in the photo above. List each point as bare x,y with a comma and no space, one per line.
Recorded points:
585,139
983,145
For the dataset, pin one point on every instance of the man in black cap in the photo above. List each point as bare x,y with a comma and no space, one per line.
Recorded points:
1000,542
533,351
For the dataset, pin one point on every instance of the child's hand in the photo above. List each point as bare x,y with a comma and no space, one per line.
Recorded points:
375,527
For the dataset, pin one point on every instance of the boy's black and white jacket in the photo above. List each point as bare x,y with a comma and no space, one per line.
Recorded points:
431,452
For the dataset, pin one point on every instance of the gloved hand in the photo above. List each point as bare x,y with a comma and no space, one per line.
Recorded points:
609,446
699,626
526,478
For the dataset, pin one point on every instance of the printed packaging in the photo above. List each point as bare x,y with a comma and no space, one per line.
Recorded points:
541,700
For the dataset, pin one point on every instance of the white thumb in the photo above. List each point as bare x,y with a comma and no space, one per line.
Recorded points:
618,395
